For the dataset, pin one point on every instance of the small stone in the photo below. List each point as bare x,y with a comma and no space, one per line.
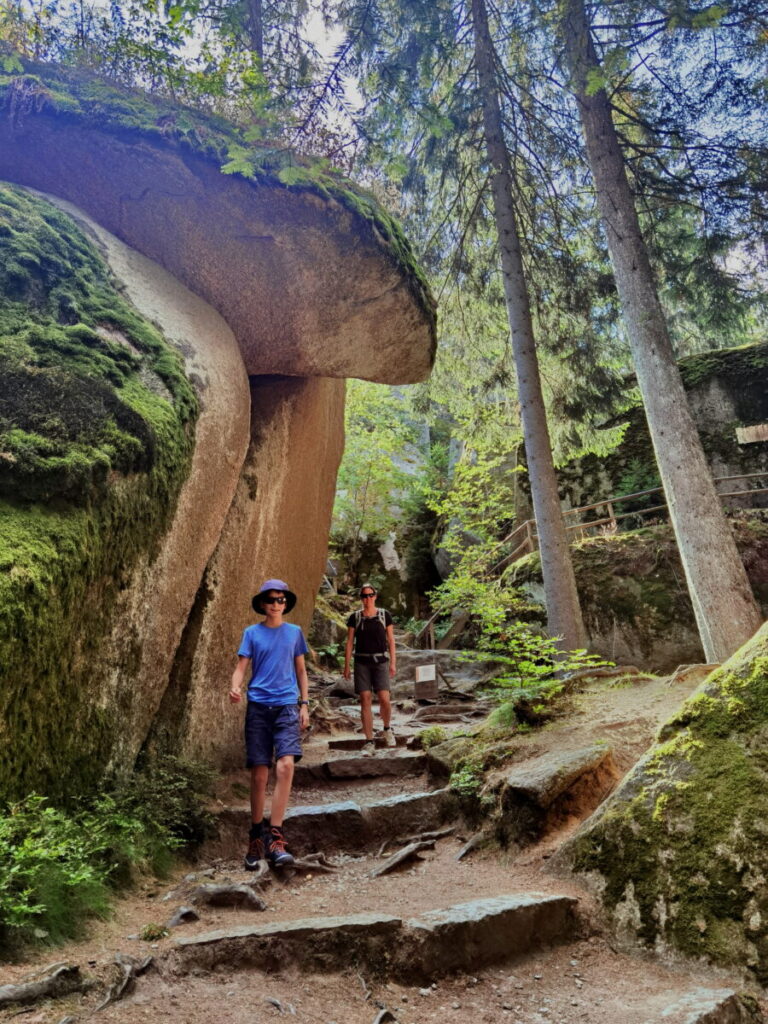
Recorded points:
537,977
456,1006
574,963
425,991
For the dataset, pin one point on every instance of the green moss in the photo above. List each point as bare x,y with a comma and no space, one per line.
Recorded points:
96,434
689,831
64,93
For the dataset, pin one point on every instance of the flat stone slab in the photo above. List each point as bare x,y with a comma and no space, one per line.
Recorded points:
320,943
346,825
409,813
463,937
377,766
708,1006
357,742
486,931
541,780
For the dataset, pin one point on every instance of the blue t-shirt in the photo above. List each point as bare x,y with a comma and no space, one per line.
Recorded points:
273,678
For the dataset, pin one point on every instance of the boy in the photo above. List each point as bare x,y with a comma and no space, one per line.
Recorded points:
372,635
275,650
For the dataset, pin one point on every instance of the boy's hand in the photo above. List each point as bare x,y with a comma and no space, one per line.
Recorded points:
304,716
235,695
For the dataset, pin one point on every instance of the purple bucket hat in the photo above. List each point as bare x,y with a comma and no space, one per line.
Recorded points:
290,597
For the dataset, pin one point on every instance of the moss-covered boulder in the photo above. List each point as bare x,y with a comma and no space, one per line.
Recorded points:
679,854
726,389
314,277
97,423
633,594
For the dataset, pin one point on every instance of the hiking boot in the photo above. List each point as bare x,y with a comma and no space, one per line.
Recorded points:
369,749
389,738
255,853
277,855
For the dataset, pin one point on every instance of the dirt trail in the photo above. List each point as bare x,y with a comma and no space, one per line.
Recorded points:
586,980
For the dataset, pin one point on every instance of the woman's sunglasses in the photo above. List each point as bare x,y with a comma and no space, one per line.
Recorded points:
273,600
369,593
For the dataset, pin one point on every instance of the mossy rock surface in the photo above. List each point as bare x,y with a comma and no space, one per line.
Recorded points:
29,89
680,852
633,592
726,388
96,434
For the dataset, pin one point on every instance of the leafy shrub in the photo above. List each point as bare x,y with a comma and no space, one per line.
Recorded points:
467,780
432,735
58,868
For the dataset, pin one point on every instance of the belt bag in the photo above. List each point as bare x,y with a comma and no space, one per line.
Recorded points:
372,657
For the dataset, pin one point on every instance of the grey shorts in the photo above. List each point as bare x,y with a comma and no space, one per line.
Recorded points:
371,675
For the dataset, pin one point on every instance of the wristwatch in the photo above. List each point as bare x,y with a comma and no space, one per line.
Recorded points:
304,702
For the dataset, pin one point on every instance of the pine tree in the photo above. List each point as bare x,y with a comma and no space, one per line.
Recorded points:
725,608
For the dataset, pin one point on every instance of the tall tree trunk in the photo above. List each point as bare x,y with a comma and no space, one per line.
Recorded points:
561,596
725,608
255,27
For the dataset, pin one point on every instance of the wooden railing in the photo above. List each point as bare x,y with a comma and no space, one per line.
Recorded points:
526,539
609,522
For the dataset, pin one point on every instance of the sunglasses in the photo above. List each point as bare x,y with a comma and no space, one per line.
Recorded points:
369,593
273,600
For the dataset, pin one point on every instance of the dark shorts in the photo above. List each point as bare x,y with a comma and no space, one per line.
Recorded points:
271,733
371,675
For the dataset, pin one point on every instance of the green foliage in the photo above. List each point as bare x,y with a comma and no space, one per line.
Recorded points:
378,469
467,780
432,735
59,868
152,932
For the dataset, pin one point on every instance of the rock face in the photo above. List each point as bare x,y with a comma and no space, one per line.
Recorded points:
213,464
679,852
635,604
306,278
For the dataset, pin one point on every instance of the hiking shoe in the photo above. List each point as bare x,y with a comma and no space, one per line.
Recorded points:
369,749
277,855
255,853
389,738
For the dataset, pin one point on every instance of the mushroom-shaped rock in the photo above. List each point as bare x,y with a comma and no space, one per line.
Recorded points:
311,274
124,601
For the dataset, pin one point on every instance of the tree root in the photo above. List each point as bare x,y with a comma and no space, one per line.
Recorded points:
58,980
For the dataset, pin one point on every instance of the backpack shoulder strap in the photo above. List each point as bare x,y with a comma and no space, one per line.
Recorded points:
382,617
358,618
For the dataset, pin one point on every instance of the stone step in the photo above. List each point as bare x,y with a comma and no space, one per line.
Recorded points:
378,766
346,825
464,937
709,1006
357,742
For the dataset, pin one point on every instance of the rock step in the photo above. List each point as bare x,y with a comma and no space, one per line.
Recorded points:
709,1006
397,764
463,937
357,742
346,825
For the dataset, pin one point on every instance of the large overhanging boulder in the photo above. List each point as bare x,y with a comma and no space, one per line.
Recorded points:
126,578
679,853
312,276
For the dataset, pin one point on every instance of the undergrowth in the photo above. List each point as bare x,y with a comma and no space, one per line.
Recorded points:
59,868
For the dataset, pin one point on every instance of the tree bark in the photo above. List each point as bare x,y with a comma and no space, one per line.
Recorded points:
561,597
726,612
255,27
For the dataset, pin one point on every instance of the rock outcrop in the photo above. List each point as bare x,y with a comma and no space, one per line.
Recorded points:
678,854
221,423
